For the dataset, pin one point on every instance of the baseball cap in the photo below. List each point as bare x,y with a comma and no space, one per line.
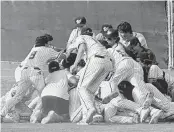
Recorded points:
111,33
53,66
80,21
86,30
107,26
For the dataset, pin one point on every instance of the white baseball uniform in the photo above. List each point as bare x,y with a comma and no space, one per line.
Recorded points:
74,34
140,37
100,36
96,69
30,74
126,69
156,73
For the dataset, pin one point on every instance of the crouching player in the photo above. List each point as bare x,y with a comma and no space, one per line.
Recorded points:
55,97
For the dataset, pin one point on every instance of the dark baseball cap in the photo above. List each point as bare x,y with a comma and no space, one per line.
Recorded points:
86,30
80,21
112,33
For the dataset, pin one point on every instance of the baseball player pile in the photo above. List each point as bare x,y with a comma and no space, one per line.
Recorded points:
112,77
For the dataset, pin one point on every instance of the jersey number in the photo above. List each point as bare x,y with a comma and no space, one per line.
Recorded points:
33,55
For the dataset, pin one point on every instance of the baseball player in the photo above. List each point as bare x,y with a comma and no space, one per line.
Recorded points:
80,23
96,69
135,49
126,69
126,33
153,74
30,72
104,30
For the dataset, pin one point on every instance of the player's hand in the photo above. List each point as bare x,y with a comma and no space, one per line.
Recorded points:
73,69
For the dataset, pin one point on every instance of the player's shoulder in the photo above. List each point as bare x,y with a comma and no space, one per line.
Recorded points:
138,35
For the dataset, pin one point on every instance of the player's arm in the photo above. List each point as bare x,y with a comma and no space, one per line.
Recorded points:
81,50
71,38
143,41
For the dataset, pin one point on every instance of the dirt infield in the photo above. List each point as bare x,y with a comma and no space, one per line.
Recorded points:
69,127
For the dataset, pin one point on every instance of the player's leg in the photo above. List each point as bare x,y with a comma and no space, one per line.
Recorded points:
20,90
95,72
111,115
75,107
18,71
37,78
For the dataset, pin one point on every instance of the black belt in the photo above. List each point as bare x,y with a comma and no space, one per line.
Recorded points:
36,68
99,56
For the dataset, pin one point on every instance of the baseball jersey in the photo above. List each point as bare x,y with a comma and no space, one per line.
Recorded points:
74,34
116,55
100,36
39,56
57,84
140,37
156,72
93,46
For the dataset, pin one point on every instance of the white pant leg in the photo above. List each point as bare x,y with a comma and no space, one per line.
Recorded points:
18,73
95,71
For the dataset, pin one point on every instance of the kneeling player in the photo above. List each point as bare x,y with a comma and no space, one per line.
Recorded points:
55,97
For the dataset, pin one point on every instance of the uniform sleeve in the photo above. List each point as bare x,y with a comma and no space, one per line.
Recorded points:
155,72
53,53
80,40
68,74
72,37
142,40
99,36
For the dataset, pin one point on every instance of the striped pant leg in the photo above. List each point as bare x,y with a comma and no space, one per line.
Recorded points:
18,71
122,103
94,73
161,101
75,107
137,80
37,78
122,72
111,115
20,90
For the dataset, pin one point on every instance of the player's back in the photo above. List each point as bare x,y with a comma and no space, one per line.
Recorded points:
39,56
93,46
116,56
57,84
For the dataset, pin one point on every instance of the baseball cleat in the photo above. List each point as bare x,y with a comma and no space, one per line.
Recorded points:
148,101
155,117
144,114
91,112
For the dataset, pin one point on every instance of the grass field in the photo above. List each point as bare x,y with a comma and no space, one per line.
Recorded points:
7,80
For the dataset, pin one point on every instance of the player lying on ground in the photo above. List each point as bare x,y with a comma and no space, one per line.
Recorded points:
55,97
29,73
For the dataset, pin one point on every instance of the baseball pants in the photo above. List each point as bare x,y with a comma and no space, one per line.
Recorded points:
95,71
29,77
131,71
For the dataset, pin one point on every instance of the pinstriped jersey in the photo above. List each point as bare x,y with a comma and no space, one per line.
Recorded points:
116,56
93,46
39,56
